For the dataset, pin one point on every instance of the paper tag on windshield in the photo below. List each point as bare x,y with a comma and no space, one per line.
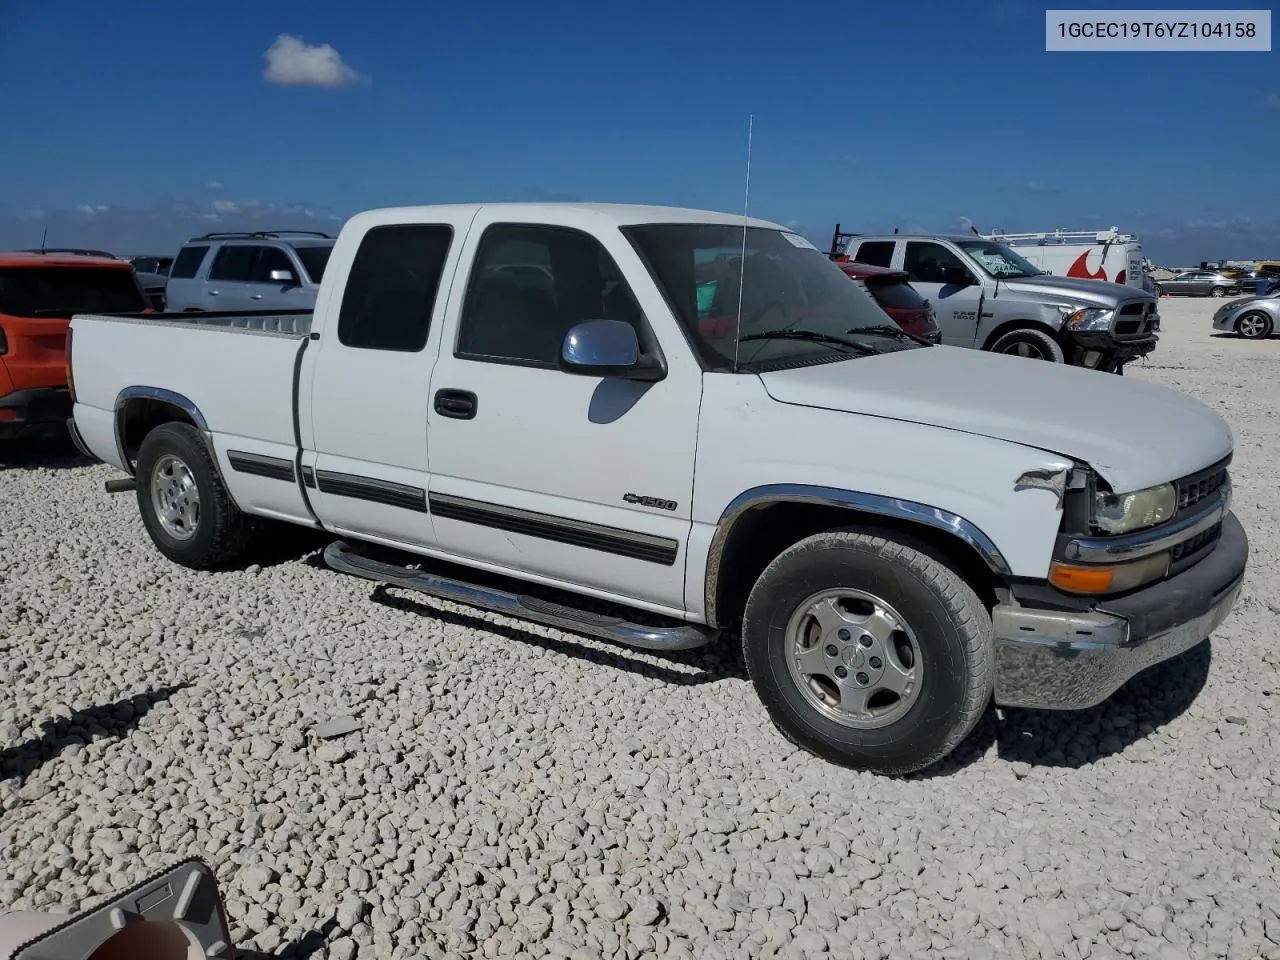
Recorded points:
798,241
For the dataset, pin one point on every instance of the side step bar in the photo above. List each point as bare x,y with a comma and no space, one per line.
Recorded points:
340,556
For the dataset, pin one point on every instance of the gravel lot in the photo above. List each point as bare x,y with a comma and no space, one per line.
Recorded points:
514,791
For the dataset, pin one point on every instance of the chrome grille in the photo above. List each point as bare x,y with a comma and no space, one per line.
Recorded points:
1201,540
1197,487
1139,319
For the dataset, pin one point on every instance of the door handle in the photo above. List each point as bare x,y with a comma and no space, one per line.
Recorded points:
456,404
212,293
255,296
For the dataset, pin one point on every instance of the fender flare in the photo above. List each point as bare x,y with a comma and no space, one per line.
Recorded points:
159,395
756,498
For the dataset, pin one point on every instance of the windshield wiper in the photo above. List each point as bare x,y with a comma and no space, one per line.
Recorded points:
814,337
891,331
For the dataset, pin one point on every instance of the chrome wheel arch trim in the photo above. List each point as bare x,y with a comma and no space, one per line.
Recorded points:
872,503
173,399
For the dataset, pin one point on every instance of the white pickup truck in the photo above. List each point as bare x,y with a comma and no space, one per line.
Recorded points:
899,533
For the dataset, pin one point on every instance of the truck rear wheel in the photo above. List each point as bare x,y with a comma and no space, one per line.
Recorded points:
1030,343
184,505
869,652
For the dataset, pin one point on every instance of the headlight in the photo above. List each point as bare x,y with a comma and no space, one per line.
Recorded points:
1089,318
1124,512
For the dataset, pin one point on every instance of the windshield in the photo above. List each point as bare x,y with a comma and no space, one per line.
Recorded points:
62,291
314,259
998,260
787,287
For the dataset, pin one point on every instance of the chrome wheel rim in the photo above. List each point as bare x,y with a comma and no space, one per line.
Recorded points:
1252,325
854,658
1218,292
175,497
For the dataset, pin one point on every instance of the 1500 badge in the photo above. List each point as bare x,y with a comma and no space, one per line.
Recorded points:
649,501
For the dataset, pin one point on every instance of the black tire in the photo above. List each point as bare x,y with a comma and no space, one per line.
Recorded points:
1253,331
951,629
1030,343
1218,292
1159,290
220,533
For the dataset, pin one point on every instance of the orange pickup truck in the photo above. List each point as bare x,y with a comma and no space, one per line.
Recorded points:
38,295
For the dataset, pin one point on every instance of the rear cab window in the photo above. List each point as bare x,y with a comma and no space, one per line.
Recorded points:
391,290
877,253
59,291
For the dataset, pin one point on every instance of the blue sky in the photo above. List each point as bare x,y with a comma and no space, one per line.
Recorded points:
134,127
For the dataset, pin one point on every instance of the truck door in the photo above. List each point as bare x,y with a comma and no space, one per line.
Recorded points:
950,285
363,396
580,479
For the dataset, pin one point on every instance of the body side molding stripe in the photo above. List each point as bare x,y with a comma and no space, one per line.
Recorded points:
873,503
260,465
371,489
592,536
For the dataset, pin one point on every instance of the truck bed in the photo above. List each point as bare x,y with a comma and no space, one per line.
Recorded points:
244,387
289,323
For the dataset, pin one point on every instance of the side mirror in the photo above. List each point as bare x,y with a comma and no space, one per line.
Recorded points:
606,348
957,277
283,276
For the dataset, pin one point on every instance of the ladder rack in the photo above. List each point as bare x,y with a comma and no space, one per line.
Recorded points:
1063,236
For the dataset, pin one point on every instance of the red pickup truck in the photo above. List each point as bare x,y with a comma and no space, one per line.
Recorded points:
892,290
39,292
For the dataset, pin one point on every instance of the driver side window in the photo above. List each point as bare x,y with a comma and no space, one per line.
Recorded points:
530,285
927,262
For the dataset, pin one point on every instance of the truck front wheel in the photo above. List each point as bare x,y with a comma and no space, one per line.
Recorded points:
1030,343
867,651
184,505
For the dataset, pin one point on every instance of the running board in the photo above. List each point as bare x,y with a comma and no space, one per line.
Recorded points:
341,557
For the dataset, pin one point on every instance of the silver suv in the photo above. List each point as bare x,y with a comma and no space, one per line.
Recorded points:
276,270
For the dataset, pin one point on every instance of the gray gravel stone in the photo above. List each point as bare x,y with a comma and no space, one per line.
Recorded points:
337,727
593,800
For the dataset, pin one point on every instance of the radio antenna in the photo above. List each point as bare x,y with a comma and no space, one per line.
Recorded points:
43,237
742,264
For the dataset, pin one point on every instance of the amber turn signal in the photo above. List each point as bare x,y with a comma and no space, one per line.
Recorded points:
1108,578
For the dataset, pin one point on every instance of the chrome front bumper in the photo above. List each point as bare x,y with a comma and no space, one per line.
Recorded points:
1057,660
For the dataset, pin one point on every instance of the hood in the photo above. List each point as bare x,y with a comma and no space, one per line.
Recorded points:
1133,433
1102,293
1269,301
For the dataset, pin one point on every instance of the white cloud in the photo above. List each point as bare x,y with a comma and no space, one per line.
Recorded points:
292,62
214,186
92,210
235,206
1273,101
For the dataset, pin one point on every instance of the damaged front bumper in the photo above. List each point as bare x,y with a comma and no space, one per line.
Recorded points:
1071,660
